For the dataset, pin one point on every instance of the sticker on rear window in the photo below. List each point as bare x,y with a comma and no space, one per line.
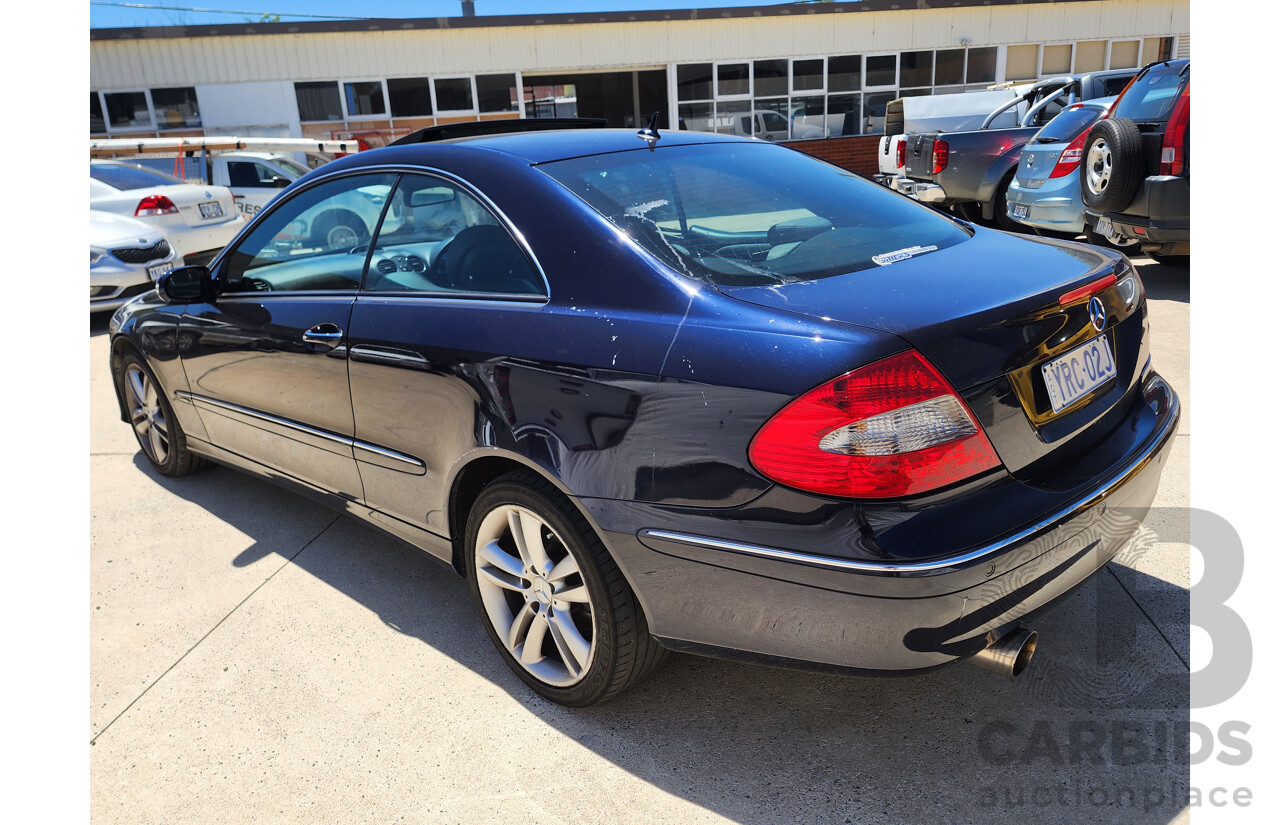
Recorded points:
901,254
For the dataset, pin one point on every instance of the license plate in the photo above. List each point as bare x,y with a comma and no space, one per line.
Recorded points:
1019,210
1104,227
1078,373
156,271
212,209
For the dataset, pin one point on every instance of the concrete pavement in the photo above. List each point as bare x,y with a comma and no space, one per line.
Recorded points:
256,657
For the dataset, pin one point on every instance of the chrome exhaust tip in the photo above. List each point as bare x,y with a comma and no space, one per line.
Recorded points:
1010,654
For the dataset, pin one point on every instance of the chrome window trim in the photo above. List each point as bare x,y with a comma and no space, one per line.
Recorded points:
1119,479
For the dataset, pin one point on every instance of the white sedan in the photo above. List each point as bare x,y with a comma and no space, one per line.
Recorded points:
198,220
125,258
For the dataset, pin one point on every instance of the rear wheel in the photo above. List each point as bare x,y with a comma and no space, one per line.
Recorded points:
552,600
339,229
156,427
1001,208
1118,242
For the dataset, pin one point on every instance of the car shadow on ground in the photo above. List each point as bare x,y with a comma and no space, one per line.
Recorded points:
1164,282
1094,731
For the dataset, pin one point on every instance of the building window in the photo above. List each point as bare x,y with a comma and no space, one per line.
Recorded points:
733,79
981,66
128,110
844,74
176,108
318,101
1020,62
916,69
1091,56
364,98
948,68
497,93
97,123
453,94
410,96
807,76
1157,48
882,70
770,77
693,81
1056,59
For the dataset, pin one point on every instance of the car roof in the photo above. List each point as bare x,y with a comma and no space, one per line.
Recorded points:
561,144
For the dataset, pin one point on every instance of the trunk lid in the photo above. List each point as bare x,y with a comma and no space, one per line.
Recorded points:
920,156
986,312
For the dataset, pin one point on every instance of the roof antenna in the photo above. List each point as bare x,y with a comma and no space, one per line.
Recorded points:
650,132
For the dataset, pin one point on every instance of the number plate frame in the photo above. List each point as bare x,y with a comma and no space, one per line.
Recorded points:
211,209
1067,378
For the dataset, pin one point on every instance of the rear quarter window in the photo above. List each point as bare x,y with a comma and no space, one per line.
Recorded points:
1151,97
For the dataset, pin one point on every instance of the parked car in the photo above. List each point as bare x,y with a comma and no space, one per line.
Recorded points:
1136,181
125,258
689,392
1045,191
198,220
972,169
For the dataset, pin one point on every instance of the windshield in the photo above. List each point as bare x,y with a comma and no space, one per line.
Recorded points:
1067,126
292,166
119,176
746,214
1151,97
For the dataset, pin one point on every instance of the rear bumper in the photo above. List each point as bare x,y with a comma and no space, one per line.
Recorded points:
1052,206
815,609
920,190
1160,213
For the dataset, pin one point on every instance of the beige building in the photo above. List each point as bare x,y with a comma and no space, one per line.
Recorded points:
787,71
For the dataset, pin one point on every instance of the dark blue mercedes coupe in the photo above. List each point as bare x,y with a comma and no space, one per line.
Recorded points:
673,391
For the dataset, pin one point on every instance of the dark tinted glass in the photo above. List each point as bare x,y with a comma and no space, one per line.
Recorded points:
454,94
318,101
97,123
880,70
365,98
126,109
844,74
497,93
693,81
771,77
948,68
752,214
1068,125
806,75
129,177
982,66
733,79
917,69
1151,97
410,96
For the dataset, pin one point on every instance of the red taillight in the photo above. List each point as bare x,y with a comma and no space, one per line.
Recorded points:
153,205
1069,160
940,149
1173,146
1086,291
893,428
902,153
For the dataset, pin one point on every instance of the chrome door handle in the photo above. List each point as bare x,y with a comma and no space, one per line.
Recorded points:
323,335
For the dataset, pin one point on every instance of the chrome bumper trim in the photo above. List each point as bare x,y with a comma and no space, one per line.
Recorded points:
1129,471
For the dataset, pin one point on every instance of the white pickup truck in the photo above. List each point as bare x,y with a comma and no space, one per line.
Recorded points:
254,177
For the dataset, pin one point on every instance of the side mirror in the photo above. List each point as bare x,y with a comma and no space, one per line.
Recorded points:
279,182
185,285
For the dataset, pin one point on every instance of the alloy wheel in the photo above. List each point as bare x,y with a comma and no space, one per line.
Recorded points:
534,595
146,414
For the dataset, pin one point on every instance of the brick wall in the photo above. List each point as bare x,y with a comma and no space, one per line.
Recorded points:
856,153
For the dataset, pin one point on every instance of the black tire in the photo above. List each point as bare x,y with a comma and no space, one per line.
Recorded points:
621,651
1094,238
159,434
1112,165
339,229
1001,209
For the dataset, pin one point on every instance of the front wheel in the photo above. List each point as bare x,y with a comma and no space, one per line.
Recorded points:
157,429
551,598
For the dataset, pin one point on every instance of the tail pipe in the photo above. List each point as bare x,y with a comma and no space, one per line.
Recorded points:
1010,654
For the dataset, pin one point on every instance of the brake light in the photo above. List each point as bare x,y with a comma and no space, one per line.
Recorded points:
892,428
940,150
1086,291
1172,146
153,205
902,153
1069,160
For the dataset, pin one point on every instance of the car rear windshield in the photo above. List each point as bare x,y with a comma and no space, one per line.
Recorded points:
129,177
745,214
1067,126
1151,97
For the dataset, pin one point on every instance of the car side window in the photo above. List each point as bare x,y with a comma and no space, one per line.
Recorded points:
316,240
444,240
249,173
